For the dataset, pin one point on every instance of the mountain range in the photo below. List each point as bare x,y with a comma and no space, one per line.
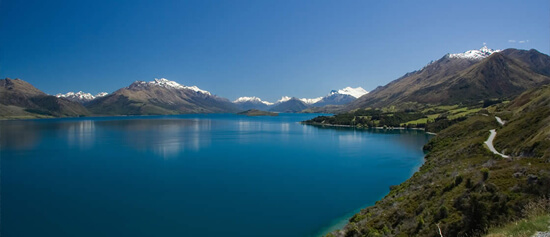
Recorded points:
81,97
465,78
293,104
160,96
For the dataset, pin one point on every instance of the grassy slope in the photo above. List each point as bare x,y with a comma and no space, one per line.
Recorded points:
524,228
464,187
432,118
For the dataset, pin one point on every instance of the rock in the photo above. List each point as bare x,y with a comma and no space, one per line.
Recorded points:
531,179
542,234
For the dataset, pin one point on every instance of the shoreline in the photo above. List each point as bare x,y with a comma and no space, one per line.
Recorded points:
338,223
353,126
341,222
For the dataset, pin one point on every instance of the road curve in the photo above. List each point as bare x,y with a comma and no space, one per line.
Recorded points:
489,143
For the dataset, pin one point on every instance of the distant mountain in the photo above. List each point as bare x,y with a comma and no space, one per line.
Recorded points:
311,101
160,96
341,97
283,99
19,99
293,105
289,105
465,78
247,103
81,97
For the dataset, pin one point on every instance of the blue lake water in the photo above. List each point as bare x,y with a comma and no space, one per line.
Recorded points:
194,175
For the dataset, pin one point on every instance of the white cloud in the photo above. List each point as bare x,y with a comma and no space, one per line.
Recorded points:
511,41
522,41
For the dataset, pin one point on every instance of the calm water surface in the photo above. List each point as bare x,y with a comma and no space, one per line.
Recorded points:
193,175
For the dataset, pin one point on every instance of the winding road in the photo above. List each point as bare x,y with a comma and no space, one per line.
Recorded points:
492,136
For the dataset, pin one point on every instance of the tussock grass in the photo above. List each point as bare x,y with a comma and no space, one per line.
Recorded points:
524,228
537,219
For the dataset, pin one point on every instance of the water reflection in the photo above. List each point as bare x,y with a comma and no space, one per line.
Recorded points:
352,138
282,168
80,134
18,135
167,138
285,127
244,125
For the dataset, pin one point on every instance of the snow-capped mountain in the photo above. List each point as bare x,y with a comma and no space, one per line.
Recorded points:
355,92
289,105
163,82
293,104
283,99
465,78
311,101
340,97
80,97
160,96
476,54
251,99
246,103
101,94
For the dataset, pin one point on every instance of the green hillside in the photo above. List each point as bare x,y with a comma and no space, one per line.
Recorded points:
463,187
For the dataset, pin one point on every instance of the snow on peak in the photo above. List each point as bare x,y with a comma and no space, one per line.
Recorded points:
355,92
284,99
163,82
80,96
475,54
101,94
251,99
311,101
166,83
196,89
246,99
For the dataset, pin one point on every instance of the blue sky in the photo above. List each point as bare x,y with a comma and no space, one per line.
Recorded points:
251,48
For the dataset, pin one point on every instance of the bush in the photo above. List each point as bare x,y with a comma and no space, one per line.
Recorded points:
357,217
485,173
458,180
420,224
469,183
441,214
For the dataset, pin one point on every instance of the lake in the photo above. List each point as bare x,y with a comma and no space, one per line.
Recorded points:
194,175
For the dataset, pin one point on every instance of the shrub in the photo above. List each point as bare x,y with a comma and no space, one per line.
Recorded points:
357,217
485,173
469,183
442,213
458,180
